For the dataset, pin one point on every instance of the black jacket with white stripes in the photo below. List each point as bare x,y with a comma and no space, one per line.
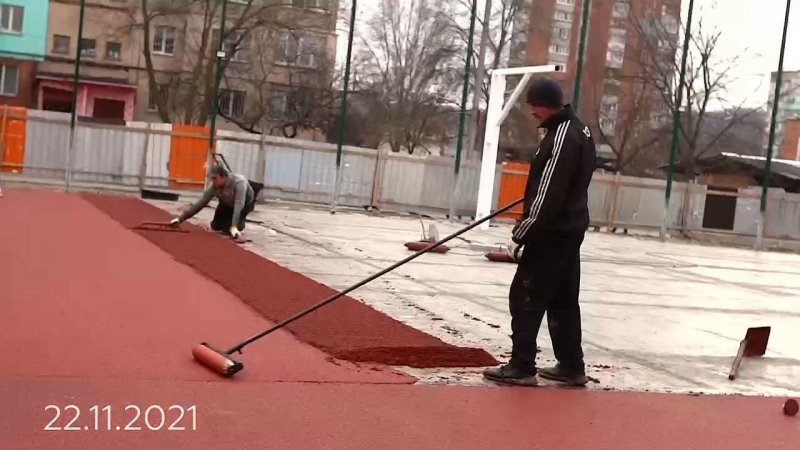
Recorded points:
556,194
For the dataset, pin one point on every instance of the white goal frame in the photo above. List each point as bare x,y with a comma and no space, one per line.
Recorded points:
496,112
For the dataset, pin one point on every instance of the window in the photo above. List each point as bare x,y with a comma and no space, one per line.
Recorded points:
614,58
609,106
562,16
561,32
302,50
9,80
617,36
277,105
231,103
60,44
88,48
164,41
235,45
621,9
113,50
608,126
311,4
559,49
566,2
11,18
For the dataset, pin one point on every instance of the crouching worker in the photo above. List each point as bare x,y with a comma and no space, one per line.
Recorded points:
236,200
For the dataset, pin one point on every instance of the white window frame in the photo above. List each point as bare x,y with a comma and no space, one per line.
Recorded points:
232,101
301,41
565,2
12,11
562,16
281,96
240,54
562,32
317,4
163,41
621,9
554,49
3,69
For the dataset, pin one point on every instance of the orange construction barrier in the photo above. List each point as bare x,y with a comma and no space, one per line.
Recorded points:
512,187
187,156
13,122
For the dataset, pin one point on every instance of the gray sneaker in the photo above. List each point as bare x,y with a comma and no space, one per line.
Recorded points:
510,375
558,373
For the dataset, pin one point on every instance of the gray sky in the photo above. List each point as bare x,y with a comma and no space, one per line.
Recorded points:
750,28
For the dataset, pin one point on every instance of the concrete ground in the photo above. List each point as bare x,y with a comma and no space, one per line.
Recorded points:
664,317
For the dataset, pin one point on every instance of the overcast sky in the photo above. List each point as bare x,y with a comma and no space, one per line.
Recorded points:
751,28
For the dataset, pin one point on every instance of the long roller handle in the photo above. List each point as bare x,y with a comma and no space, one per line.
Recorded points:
737,360
238,347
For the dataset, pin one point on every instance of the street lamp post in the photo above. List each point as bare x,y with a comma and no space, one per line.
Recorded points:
343,109
771,141
676,118
75,78
215,98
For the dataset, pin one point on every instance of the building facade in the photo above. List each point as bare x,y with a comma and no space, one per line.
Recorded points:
621,35
158,65
788,109
22,46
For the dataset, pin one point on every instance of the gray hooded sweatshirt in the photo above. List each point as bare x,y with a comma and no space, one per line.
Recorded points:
235,193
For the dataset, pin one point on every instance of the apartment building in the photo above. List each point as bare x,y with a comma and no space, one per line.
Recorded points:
788,111
159,65
22,45
617,33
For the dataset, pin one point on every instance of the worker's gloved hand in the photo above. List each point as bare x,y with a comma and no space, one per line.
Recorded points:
235,233
514,250
175,222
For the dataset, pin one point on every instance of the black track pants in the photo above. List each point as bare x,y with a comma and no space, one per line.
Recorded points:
223,216
548,281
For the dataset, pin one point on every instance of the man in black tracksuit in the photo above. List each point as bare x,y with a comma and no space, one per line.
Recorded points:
546,243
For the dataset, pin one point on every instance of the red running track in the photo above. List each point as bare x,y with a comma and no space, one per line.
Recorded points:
241,416
346,328
84,297
91,314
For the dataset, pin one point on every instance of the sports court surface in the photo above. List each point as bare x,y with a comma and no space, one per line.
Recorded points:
94,314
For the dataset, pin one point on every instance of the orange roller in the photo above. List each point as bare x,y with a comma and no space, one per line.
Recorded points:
216,360
421,245
499,256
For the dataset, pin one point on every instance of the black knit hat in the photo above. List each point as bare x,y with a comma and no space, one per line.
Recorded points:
546,93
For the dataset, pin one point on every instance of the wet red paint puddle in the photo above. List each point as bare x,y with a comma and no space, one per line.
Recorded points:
346,329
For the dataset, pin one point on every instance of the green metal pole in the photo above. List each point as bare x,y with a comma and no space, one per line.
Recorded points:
771,141
343,108
676,118
215,99
576,92
463,112
71,147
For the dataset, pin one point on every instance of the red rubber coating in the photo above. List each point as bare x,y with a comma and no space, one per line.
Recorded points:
215,360
419,245
790,408
499,256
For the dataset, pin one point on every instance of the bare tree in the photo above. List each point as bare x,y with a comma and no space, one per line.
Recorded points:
630,120
507,25
187,32
705,90
290,92
407,63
